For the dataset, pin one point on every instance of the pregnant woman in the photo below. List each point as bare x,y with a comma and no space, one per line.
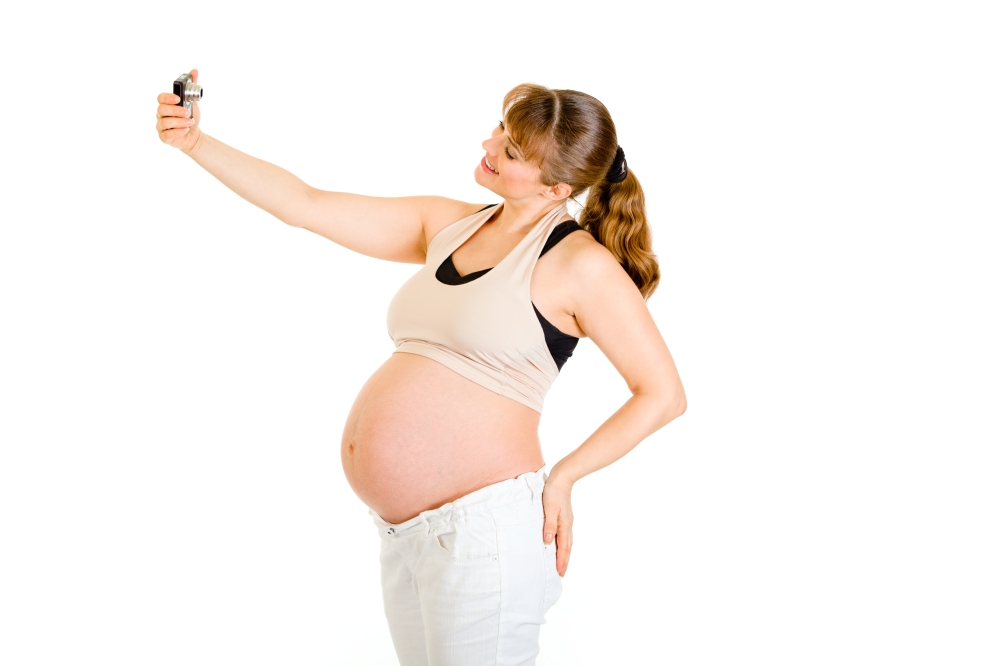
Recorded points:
442,441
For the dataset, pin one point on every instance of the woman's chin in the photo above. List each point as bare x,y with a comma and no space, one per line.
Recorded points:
481,178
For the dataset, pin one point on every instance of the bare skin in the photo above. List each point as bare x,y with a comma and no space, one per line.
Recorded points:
418,434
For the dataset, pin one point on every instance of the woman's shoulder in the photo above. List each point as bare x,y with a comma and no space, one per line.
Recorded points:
440,212
586,261
575,245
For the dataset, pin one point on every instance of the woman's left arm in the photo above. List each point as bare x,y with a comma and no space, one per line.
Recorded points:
611,311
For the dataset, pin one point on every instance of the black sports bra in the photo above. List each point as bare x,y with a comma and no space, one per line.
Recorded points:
561,345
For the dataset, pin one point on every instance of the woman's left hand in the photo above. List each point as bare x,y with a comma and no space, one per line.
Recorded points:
558,520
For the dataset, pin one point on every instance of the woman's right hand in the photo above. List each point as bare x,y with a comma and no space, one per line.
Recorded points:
173,125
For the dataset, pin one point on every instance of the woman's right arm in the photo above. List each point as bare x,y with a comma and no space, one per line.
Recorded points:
394,229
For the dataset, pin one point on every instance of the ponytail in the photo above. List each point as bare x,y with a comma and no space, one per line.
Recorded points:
615,215
572,139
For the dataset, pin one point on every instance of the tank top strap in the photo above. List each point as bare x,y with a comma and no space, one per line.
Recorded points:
451,237
520,263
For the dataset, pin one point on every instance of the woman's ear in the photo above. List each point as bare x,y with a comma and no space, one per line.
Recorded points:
558,191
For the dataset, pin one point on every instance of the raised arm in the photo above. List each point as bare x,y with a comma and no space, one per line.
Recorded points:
394,229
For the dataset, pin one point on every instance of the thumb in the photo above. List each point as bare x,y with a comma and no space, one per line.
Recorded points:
194,75
549,529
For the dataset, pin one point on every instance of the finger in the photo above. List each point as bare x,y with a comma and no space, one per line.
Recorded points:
550,527
194,75
170,110
564,545
173,123
167,98
169,135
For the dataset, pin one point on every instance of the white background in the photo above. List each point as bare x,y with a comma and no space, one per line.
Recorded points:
176,365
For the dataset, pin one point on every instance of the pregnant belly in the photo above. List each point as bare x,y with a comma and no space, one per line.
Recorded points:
420,435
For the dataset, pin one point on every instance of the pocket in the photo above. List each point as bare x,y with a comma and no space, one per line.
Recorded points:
471,540
553,581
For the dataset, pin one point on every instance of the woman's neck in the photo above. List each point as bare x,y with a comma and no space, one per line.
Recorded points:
519,218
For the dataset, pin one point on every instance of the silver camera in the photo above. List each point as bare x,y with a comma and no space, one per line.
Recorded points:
188,91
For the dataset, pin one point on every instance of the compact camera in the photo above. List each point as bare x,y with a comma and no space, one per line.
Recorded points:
188,91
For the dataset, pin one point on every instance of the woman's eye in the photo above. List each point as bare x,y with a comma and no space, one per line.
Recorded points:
509,156
501,125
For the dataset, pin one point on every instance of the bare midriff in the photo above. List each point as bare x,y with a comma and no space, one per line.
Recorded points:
419,435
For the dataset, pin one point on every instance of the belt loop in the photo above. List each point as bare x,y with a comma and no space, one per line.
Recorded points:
539,481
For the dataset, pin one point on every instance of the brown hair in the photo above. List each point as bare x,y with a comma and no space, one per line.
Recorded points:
570,136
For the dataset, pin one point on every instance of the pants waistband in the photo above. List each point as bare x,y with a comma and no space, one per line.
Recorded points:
528,485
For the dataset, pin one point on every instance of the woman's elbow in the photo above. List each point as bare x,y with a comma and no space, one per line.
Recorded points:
676,406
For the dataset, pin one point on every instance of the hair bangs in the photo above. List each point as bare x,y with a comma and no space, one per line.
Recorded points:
529,116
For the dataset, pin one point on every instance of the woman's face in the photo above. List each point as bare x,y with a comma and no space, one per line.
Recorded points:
504,171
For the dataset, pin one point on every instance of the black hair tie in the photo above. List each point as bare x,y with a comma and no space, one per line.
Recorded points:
619,168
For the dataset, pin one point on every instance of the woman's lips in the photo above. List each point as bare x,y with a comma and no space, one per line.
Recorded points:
486,168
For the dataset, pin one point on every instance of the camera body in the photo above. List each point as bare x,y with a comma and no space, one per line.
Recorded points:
188,91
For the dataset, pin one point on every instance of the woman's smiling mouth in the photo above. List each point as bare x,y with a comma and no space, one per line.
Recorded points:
488,168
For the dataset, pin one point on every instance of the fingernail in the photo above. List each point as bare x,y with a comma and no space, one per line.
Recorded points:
548,538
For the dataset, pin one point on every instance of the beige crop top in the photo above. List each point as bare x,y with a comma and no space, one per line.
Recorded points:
485,330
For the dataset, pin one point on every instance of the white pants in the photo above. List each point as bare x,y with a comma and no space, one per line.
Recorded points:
469,583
